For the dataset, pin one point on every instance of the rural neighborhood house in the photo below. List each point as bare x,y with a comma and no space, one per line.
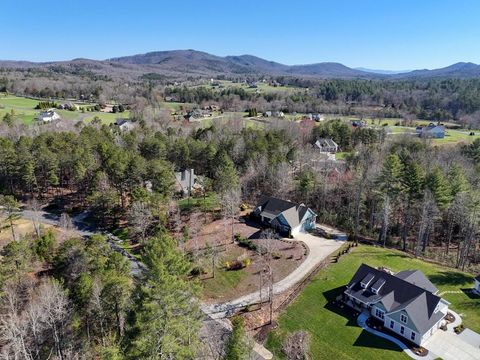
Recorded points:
405,302
48,116
284,216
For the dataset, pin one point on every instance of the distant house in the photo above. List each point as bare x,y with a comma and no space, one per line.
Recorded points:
197,115
317,117
278,114
284,216
326,145
124,124
48,116
431,131
187,182
359,123
477,284
405,302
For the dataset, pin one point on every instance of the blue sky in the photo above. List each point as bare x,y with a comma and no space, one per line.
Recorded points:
395,35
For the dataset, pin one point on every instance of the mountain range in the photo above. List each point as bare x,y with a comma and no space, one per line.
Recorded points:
177,63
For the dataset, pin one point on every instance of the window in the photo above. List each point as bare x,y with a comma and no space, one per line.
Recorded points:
412,336
392,324
403,318
379,314
402,330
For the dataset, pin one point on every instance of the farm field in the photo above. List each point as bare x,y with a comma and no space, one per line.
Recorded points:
451,136
24,109
336,336
261,87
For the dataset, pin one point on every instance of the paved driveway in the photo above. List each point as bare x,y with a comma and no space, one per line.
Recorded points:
319,249
450,346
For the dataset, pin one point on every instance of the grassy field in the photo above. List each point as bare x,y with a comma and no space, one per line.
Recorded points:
24,110
22,228
336,336
261,87
451,136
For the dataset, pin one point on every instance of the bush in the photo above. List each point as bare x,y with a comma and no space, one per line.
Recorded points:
243,207
197,270
246,262
458,329
276,255
246,243
234,265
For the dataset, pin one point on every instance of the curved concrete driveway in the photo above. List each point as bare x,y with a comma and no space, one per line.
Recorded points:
319,247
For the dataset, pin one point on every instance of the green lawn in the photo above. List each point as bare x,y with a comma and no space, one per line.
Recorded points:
25,111
224,284
210,202
451,136
334,336
342,155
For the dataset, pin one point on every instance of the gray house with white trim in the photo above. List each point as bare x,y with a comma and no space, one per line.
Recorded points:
405,302
284,216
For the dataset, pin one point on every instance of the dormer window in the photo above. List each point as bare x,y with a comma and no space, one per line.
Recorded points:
377,285
366,281
403,318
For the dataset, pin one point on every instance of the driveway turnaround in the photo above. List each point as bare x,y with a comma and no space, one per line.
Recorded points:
450,346
319,249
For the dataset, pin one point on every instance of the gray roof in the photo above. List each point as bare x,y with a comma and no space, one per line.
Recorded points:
397,294
416,277
270,208
324,142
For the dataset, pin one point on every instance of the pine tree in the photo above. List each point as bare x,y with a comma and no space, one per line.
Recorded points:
390,186
439,187
413,181
238,346
225,176
167,317
457,180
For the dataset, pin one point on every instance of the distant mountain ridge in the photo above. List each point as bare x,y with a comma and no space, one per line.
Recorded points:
177,63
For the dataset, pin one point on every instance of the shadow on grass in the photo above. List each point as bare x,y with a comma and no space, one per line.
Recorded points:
338,307
365,339
451,278
471,293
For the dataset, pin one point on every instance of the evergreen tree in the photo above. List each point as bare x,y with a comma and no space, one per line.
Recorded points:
238,346
390,186
412,180
167,317
226,176
439,187
457,180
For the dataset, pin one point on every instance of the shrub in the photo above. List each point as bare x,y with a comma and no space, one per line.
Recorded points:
243,207
458,329
234,265
246,262
246,243
197,270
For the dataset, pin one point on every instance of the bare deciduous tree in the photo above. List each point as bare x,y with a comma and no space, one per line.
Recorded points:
140,218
